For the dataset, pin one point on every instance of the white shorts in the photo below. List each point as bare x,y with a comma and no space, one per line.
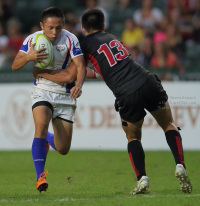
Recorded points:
62,105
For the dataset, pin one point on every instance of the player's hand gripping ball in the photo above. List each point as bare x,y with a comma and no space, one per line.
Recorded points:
42,41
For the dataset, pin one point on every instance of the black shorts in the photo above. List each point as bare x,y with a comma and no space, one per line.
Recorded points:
151,96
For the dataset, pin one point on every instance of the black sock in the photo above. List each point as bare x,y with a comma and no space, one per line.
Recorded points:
137,157
175,143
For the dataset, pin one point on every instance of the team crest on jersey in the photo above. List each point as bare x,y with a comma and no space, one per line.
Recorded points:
60,48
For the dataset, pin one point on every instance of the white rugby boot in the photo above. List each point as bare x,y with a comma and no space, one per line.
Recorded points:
182,175
142,186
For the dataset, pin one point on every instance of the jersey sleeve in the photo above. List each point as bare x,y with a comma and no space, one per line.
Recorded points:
26,44
74,47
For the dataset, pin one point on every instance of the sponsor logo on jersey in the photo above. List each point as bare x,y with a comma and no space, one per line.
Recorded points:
60,48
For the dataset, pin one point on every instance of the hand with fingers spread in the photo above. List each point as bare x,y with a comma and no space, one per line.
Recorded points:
37,55
76,91
33,55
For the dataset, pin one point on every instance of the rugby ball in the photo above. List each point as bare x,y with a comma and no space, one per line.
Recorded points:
42,41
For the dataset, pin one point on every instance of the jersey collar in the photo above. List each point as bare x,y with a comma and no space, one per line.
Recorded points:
89,35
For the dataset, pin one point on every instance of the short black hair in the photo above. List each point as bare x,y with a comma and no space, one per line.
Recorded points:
92,19
53,12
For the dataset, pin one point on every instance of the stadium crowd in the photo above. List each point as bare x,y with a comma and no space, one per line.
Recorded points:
158,34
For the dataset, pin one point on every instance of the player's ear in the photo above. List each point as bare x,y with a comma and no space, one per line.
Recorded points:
103,27
41,25
83,30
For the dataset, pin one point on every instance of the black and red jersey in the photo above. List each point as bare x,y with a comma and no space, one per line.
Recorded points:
113,62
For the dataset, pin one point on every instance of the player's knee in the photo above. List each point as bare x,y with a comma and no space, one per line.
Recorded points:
63,150
41,130
136,135
169,126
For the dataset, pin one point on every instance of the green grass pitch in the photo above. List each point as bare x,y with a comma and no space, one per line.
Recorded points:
90,178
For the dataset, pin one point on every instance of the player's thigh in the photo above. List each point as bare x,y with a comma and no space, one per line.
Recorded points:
62,134
42,116
131,108
132,113
156,103
42,111
164,117
155,95
133,130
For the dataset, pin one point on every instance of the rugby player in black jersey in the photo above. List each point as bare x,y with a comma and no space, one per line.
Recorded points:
135,90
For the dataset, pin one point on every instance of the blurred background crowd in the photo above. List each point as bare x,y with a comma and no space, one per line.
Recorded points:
162,35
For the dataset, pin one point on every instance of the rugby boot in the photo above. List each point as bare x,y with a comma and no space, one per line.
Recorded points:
182,175
142,186
42,183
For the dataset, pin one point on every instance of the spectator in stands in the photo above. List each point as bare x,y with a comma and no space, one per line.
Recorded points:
185,6
15,37
148,17
132,35
91,4
34,29
174,39
183,21
160,33
147,51
123,4
70,16
71,25
123,8
3,46
135,52
5,11
196,22
166,76
165,59
175,16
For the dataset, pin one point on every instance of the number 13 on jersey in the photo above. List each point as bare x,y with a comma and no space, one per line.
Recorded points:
113,58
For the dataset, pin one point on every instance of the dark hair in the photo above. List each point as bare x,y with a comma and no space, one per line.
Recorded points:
53,12
92,19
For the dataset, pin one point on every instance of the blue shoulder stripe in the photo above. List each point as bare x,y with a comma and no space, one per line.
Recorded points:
76,51
24,47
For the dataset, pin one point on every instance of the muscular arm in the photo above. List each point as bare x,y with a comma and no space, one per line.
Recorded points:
22,58
20,61
81,70
63,75
76,91
60,76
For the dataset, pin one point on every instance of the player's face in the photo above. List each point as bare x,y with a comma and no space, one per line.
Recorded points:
52,27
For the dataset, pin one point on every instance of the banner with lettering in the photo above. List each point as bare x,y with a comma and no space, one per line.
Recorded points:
98,125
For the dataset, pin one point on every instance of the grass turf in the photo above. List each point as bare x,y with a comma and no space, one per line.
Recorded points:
90,178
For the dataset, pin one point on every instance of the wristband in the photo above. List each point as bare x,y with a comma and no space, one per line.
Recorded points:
97,75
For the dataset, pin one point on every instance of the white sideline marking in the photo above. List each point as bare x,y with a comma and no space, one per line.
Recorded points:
86,199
